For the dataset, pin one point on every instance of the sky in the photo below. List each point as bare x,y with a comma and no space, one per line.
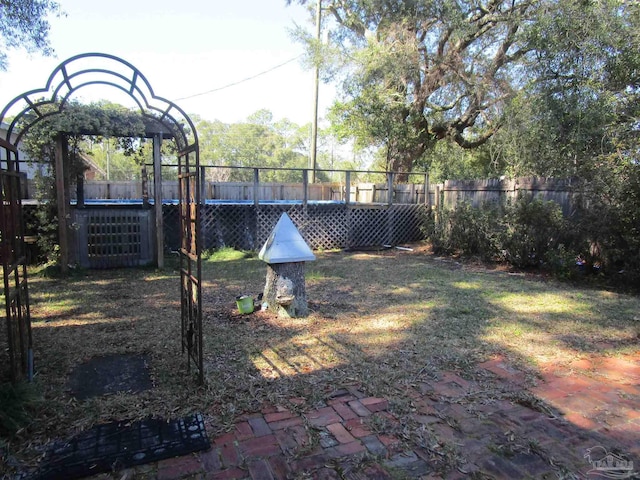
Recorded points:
184,49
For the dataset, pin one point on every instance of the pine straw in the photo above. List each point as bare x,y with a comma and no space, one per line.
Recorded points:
384,322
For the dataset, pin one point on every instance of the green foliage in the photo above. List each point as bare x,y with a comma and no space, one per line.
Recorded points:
468,231
447,160
531,229
609,219
261,141
82,126
17,404
23,24
526,233
225,254
547,78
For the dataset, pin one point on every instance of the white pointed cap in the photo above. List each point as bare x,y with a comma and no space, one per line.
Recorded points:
285,244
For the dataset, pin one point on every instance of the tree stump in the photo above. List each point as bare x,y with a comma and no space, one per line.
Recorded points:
284,291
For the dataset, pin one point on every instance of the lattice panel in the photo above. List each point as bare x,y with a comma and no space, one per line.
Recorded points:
112,238
322,226
15,292
369,226
328,227
171,222
268,216
408,223
230,226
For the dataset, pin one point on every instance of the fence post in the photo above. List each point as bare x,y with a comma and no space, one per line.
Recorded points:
390,188
427,200
157,196
305,186
145,186
437,201
347,187
203,186
256,186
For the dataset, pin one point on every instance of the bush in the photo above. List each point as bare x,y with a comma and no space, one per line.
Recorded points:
532,231
525,232
17,403
467,230
609,221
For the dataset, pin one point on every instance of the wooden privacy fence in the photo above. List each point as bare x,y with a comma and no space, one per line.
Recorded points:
479,192
348,191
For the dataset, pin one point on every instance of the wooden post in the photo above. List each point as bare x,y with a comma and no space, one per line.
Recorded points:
62,206
256,186
347,187
145,186
437,201
203,186
157,195
80,190
305,187
427,200
390,188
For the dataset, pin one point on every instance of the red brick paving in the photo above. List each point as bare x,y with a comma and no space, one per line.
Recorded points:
586,403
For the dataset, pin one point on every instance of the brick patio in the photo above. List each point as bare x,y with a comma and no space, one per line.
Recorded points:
587,404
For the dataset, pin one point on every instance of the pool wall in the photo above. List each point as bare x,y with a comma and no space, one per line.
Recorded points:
324,226
107,235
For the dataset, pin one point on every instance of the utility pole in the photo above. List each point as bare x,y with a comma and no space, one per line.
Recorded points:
314,124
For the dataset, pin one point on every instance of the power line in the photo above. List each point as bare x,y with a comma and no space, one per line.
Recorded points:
239,81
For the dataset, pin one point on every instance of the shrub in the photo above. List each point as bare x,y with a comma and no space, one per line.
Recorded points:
17,402
532,230
467,230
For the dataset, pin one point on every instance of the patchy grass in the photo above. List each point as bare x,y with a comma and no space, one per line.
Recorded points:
385,322
225,254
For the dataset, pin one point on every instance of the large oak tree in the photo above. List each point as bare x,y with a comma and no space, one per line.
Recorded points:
417,71
24,24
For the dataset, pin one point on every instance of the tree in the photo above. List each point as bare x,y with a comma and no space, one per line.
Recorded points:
587,73
258,142
418,71
23,24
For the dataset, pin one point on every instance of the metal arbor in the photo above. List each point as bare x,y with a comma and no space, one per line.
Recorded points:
14,268
168,120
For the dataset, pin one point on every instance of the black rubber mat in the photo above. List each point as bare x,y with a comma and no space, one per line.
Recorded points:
110,374
117,445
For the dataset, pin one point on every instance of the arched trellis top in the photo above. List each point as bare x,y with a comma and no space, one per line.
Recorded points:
100,69
163,117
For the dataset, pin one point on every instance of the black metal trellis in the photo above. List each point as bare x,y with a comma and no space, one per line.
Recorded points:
14,268
163,119
190,258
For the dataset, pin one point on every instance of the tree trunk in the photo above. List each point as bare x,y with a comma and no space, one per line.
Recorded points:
284,291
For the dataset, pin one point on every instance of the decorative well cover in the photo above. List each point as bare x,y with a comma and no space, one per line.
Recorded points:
285,244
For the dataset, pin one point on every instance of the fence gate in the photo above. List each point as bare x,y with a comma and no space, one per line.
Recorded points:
14,269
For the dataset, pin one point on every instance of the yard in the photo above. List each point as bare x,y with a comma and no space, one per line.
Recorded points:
387,323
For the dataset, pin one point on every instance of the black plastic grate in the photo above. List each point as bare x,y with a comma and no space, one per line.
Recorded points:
122,444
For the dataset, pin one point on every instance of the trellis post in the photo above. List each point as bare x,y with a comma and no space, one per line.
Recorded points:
390,188
62,205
